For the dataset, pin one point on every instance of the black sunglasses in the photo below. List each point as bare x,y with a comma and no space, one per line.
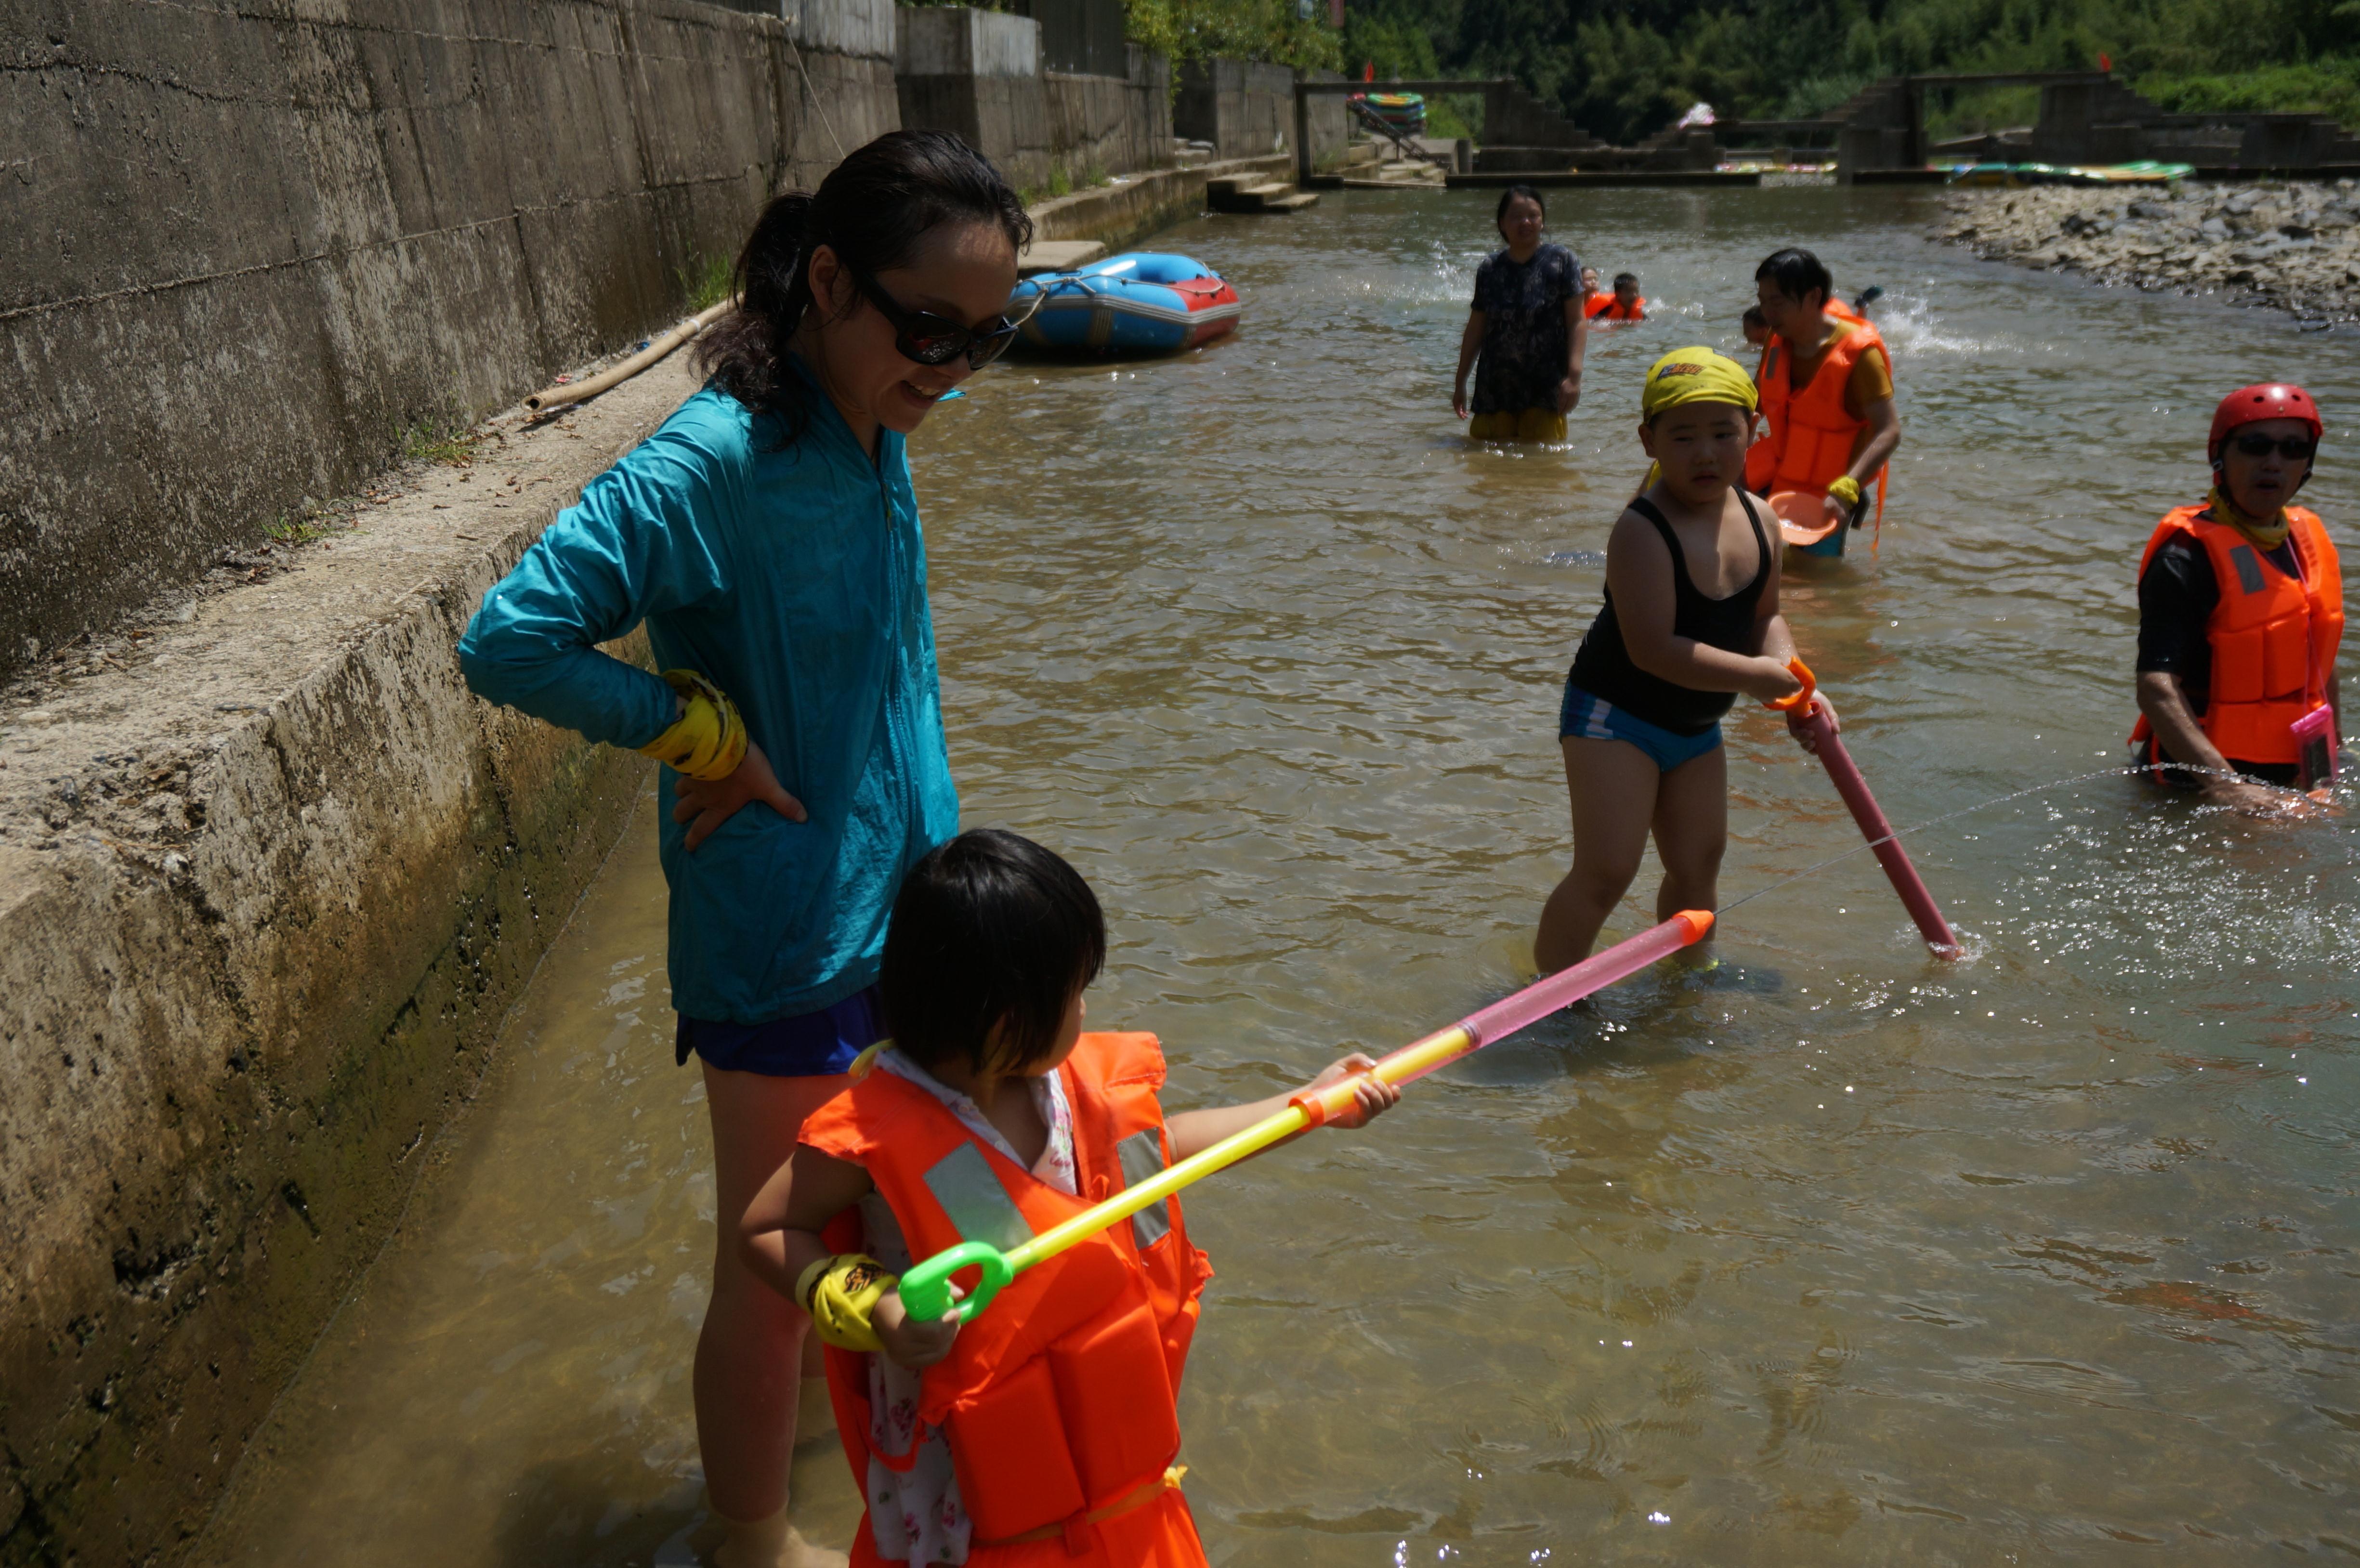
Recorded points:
929,339
2294,449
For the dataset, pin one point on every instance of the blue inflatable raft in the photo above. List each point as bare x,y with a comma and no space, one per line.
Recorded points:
1139,302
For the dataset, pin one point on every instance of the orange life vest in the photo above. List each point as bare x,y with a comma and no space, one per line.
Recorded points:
1813,438
1059,1401
2274,637
1606,307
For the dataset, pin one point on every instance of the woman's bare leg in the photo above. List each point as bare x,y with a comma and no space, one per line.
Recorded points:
750,1358
1613,785
1691,830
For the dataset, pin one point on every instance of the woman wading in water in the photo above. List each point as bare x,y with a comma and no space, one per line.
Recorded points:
768,539
1526,328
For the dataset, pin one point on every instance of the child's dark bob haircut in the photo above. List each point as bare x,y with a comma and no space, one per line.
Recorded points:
1794,273
1622,277
989,928
1754,318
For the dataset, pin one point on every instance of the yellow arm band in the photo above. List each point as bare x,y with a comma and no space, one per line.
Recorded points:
1845,489
841,1294
707,741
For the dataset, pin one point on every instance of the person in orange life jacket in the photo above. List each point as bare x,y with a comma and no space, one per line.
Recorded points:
1756,327
1623,305
2241,611
1589,289
1691,619
1826,383
1044,1430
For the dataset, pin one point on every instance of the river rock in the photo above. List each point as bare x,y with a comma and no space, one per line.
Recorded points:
2289,245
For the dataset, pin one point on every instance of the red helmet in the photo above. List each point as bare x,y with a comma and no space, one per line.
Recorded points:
2263,401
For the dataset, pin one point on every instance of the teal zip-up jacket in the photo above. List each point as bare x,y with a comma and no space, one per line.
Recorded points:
795,581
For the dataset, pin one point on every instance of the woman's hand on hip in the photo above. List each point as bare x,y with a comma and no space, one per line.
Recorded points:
705,804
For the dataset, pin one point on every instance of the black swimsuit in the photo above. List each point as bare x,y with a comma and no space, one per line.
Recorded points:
1602,665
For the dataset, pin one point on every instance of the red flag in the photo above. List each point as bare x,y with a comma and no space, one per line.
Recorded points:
1369,71
2105,61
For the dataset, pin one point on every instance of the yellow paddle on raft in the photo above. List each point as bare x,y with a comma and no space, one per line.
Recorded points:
926,1288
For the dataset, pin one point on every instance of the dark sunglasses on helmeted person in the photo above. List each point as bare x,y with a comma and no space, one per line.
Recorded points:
2294,449
925,338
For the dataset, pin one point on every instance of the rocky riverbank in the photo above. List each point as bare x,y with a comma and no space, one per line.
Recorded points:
2291,246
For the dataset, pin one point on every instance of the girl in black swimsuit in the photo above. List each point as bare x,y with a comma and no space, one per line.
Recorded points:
1691,620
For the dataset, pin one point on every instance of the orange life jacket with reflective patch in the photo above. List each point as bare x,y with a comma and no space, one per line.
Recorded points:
1812,438
2274,637
1059,1401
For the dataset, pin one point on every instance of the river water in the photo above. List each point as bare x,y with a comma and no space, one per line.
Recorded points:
1837,1254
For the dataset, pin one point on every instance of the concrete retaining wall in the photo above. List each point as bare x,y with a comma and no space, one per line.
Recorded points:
270,877
1103,124
247,248
1245,108
1133,208
979,75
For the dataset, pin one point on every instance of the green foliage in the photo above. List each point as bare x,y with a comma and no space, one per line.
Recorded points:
438,441
1234,29
1622,69
2329,86
705,282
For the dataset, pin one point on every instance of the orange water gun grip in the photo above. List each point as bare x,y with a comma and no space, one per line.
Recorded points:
1801,672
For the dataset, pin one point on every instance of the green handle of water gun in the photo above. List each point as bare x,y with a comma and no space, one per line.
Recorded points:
926,1288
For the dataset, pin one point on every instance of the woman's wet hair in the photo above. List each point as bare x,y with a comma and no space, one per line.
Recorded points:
1510,194
1795,273
874,209
989,928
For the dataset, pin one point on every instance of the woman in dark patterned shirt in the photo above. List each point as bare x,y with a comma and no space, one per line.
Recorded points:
1528,328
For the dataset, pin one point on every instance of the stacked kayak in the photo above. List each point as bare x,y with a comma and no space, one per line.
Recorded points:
1403,113
1139,302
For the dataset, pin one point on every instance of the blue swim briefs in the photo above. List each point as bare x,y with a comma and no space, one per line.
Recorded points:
809,1045
1586,718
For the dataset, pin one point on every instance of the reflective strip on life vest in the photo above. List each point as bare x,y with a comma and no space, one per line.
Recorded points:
970,1192
1141,1155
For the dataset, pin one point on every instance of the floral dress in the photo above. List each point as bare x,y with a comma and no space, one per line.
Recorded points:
1525,331
914,1514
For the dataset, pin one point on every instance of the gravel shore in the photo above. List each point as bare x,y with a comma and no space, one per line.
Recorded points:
2291,246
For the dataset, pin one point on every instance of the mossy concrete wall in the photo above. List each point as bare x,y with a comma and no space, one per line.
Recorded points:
248,244
270,877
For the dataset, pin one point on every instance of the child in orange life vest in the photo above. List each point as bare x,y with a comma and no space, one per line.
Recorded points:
1623,305
1826,391
1691,620
1044,1430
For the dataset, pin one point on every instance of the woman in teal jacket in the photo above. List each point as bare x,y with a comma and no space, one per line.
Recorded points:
768,539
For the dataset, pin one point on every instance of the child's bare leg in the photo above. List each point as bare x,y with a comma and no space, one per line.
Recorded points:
1691,830
1613,785
749,1356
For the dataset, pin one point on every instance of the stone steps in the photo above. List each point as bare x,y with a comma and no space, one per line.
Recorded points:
1255,193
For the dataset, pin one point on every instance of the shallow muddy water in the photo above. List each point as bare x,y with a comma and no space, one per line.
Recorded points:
1837,1254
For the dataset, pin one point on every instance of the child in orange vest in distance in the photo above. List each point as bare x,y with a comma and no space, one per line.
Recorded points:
2241,615
1043,1433
1623,305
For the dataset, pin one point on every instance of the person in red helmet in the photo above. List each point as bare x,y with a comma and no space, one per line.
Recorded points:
2241,612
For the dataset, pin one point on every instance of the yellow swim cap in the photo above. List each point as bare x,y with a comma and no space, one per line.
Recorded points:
1695,376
